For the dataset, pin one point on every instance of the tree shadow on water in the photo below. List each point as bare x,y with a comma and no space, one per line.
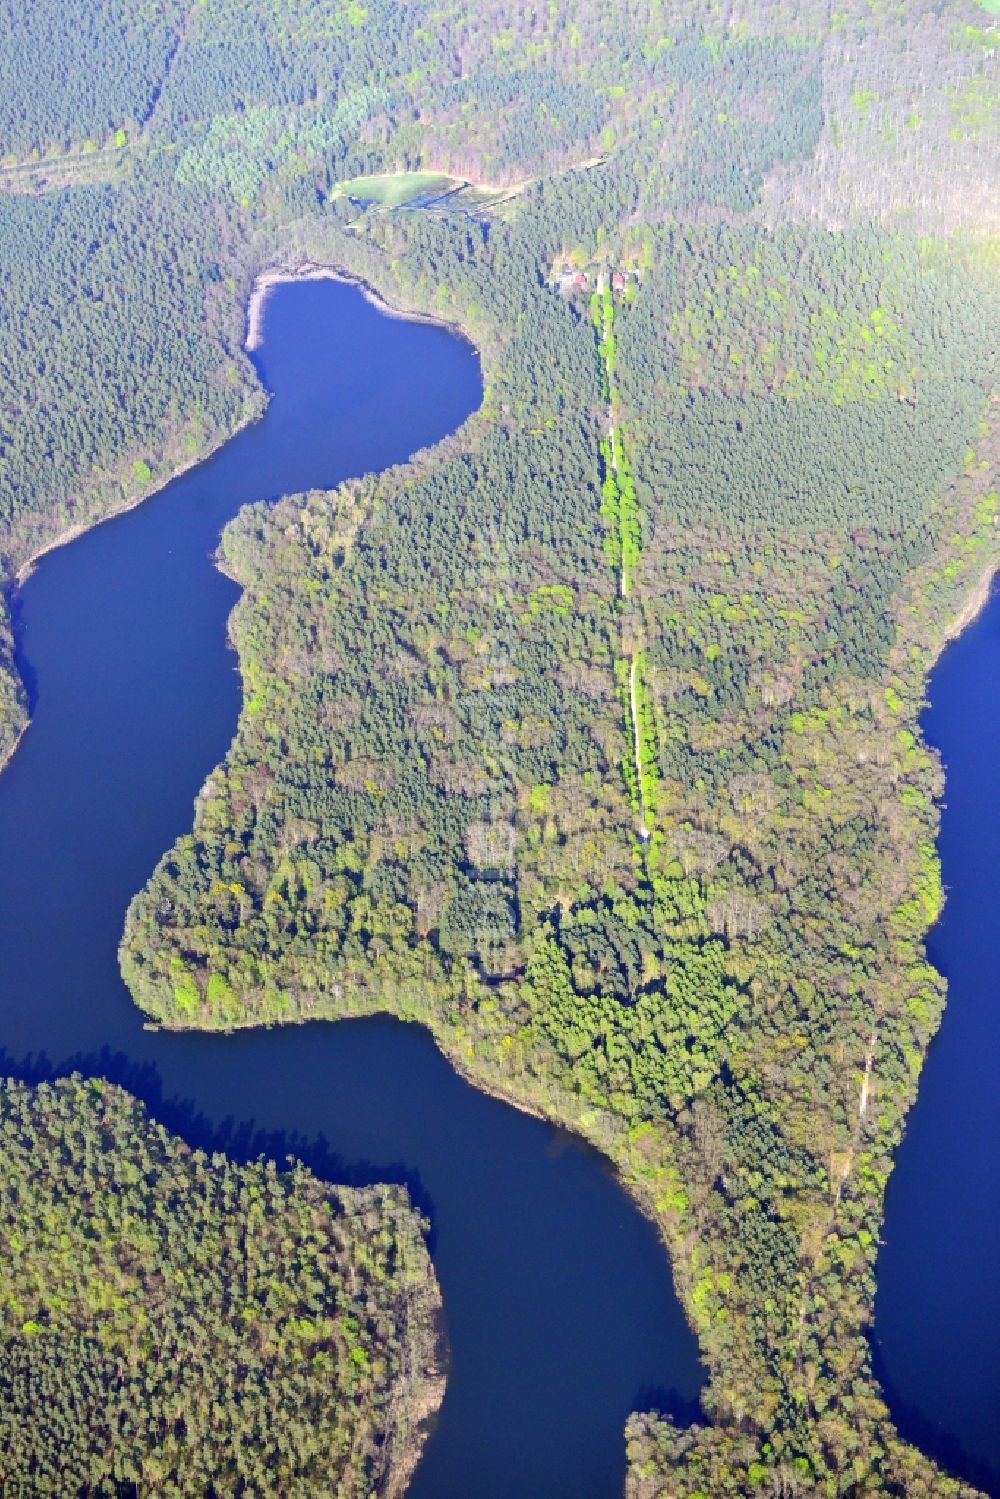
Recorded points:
945,1449
682,1410
27,673
239,1139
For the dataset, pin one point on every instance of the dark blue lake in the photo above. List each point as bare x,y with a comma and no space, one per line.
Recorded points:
560,1311
937,1320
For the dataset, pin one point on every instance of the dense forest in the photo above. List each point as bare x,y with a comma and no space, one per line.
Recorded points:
292,1322
588,738
433,801
114,287
74,75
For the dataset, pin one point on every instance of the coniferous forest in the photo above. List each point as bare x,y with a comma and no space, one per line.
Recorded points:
589,737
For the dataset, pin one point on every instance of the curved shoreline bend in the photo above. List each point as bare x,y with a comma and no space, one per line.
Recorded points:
313,270
263,286
557,1293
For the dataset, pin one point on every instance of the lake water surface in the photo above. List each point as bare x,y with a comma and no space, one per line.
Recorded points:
558,1298
937,1319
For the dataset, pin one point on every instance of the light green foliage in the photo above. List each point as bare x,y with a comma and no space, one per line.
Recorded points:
645,723
393,189
241,151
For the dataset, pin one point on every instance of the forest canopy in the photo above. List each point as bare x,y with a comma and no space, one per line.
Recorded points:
590,738
176,1323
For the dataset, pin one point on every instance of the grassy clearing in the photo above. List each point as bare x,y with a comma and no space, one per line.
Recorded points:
394,188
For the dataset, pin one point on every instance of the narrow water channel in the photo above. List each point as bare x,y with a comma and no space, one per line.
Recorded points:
559,1306
937,1314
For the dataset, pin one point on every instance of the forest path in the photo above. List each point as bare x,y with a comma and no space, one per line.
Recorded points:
632,654
842,1176
633,680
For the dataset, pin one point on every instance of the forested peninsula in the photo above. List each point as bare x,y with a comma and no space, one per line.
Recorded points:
590,737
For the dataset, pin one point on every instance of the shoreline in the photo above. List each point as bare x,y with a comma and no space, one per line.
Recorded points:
406,1441
80,528
264,283
15,745
308,270
978,600
314,270
490,1087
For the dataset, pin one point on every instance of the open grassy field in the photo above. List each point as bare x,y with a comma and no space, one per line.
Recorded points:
394,188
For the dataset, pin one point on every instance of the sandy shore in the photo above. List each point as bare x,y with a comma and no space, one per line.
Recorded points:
975,604
307,271
79,528
310,270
